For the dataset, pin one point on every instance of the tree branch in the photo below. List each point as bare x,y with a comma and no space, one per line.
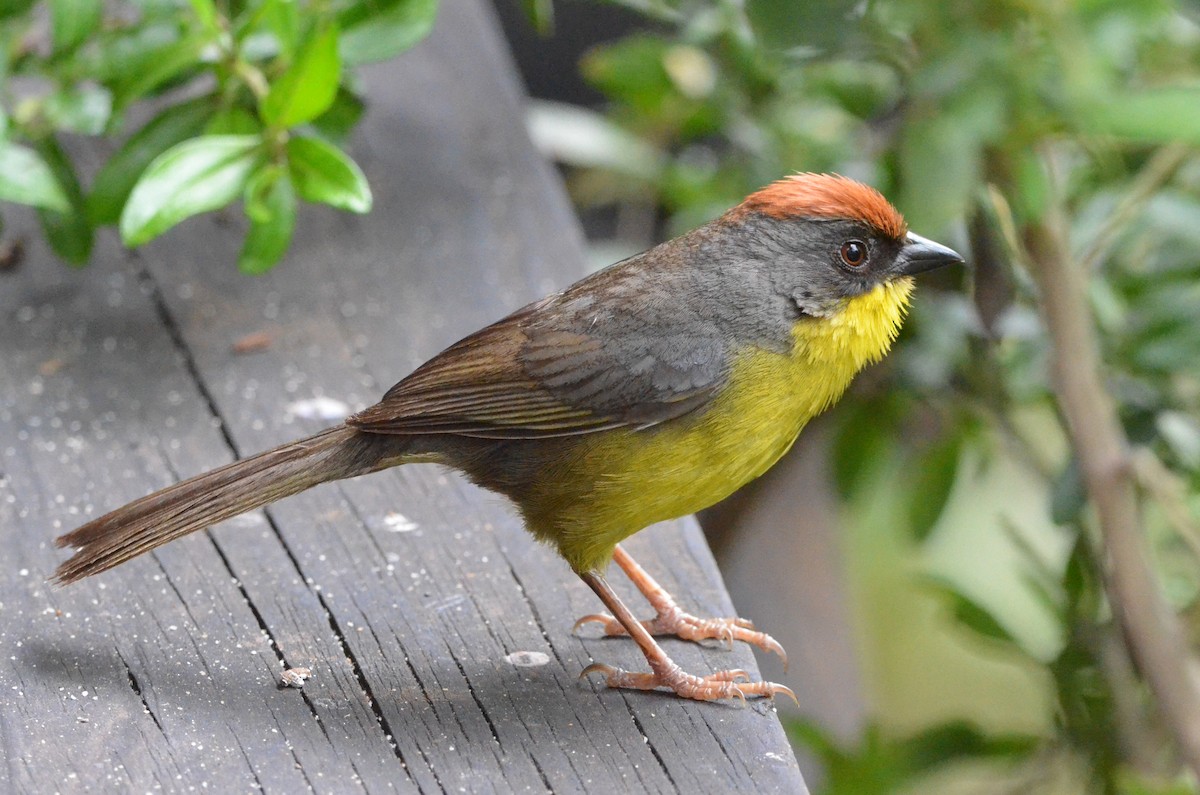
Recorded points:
1104,456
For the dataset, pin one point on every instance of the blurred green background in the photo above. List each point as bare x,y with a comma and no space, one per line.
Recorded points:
983,654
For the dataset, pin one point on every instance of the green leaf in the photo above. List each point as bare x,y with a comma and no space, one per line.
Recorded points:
1068,495
271,207
283,18
206,12
971,614
376,31
540,14
959,740
325,174
71,21
631,71
142,62
862,88
190,178
882,764
69,233
258,187
1082,582
115,180
308,87
233,121
12,8
25,178
865,439
336,123
874,767
1160,115
787,24
933,480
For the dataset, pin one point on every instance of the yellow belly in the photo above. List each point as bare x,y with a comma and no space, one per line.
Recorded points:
617,482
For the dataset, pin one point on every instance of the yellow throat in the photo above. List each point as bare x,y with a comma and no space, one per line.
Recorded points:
624,480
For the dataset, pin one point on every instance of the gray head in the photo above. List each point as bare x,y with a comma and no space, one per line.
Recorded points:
828,239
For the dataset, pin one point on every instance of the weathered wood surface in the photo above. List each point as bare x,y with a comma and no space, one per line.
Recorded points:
405,591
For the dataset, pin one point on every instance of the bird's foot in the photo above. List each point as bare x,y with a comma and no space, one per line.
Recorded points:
733,683
672,620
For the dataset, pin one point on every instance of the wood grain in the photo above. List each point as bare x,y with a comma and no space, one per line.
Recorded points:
406,592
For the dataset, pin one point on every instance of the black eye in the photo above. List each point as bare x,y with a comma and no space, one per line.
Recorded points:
854,253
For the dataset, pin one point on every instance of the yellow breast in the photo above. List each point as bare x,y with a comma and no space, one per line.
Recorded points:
618,482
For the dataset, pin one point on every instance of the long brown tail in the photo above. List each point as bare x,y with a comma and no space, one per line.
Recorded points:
223,493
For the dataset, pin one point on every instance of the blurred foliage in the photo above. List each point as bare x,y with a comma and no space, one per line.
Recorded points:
252,99
982,120
879,764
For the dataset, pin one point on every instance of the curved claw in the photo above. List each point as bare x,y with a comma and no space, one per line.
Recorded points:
599,618
603,668
769,690
770,644
727,636
787,691
727,630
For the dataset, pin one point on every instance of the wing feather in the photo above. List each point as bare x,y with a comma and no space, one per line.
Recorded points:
552,369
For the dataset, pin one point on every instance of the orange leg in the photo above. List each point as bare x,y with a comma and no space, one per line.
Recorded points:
671,620
663,671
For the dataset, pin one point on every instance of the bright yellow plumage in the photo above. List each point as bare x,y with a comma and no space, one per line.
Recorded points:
612,486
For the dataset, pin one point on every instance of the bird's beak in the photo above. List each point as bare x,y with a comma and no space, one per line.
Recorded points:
920,254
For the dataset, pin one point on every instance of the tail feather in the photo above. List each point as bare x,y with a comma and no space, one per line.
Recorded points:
214,496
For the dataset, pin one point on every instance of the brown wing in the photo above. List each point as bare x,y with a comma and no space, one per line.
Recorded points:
552,370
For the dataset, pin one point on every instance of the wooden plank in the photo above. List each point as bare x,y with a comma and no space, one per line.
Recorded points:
147,680
405,592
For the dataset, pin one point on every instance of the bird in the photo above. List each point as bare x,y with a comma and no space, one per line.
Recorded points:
646,391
